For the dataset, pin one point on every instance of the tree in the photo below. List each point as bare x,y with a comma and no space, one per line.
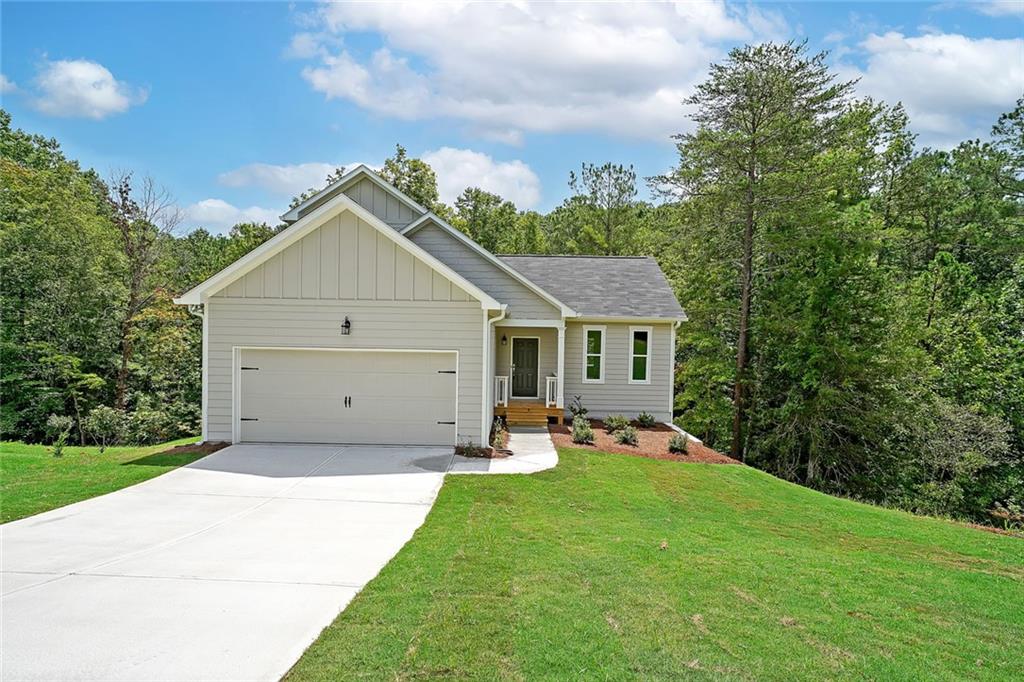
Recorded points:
602,215
105,425
763,118
143,217
413,177
486,217
332,178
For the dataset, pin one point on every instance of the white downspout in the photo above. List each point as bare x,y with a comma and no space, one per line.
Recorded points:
488,410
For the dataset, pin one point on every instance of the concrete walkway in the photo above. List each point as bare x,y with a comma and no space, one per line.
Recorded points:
226,569
532,451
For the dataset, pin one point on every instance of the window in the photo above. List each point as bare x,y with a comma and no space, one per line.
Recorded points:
639,355
593,355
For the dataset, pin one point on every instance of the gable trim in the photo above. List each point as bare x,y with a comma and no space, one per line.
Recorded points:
348,178
308,224
415,225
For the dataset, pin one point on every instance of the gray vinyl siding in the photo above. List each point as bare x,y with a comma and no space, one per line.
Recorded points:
345,259
547,351
300,297
522,302
616,395
377,201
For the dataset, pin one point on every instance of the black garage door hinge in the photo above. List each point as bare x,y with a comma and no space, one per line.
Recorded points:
249,419
245,368
452,423
446,371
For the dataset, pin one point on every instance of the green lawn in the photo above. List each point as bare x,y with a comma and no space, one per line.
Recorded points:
562,575
32,480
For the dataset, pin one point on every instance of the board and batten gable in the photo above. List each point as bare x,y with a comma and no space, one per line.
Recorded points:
522,302
344,268
617,395
377,201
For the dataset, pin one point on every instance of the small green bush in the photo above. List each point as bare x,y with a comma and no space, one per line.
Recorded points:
105,425
677,443
646,420
615,422
582,431
499,434
576,407
58,427
627,436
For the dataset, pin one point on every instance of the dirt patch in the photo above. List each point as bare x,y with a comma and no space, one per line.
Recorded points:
205,448
652,442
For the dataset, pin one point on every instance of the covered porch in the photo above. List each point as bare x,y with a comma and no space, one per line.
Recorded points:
528,372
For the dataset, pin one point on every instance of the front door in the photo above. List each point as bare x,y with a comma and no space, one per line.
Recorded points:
524,367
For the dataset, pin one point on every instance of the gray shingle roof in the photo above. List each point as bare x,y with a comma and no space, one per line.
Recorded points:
603,286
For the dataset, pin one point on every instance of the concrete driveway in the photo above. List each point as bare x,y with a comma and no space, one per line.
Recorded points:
226,569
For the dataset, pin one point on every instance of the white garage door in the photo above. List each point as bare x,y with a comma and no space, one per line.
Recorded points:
326,396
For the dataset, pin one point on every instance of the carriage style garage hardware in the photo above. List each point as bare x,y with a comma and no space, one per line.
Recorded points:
346,327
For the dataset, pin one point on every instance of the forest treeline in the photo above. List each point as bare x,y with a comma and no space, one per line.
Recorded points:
856,301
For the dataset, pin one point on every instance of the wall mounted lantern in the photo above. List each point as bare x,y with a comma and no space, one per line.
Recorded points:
504,340
346,327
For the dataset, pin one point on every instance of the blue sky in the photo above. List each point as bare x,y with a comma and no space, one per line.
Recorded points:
236,106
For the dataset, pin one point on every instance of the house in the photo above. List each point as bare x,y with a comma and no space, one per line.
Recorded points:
371,320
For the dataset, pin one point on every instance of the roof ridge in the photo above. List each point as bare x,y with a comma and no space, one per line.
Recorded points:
568,255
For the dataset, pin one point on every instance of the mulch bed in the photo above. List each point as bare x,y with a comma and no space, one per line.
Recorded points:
206,448
652,443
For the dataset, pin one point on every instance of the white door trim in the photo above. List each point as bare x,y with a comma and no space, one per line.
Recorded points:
511,373
236,377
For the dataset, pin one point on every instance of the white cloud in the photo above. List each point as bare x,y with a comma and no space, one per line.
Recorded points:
458,169
7,85
217,215
513,67
952,86
80,88
286,180
1000,8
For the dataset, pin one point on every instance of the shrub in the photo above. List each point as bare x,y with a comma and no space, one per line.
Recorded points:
576,408
677,443
499,434
582,431
468,448
646,420
146,426
105,425
615,422
58,427
627,436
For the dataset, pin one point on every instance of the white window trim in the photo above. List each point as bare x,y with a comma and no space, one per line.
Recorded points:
604,340
629,367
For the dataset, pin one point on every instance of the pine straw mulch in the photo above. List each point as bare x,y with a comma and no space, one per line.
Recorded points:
652,443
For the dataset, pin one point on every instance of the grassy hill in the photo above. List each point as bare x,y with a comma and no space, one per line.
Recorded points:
618,567
32,480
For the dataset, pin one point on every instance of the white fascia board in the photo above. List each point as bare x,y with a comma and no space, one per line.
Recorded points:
307,224
339,185
490,257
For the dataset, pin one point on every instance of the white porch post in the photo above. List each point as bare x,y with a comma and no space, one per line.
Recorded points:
560,383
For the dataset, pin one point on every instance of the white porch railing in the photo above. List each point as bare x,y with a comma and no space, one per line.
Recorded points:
551,392
501,391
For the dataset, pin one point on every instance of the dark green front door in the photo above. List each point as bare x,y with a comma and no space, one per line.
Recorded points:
524,368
